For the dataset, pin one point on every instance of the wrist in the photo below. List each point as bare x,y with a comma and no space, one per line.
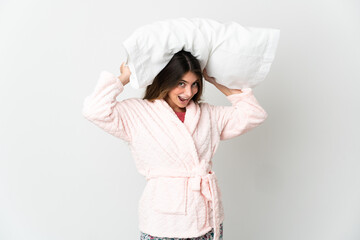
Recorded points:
123,79
235,91
223,89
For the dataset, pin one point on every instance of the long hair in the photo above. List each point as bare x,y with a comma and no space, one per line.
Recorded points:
170,76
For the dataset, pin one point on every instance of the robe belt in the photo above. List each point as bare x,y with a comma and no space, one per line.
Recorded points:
206,184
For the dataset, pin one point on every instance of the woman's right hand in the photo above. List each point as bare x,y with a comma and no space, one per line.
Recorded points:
125,74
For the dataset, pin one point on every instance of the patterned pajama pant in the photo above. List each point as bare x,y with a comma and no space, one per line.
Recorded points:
207,236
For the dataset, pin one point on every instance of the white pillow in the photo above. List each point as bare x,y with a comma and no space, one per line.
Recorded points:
240,56
236,56
152,46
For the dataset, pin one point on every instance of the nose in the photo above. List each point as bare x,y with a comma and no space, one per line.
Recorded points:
189,91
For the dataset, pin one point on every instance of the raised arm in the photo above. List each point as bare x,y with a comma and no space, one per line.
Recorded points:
102,108
244,114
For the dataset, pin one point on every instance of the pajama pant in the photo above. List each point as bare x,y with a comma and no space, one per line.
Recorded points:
207,236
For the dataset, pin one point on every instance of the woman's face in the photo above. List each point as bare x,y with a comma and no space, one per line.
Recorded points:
179,97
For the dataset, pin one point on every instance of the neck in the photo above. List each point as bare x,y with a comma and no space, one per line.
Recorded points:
174,106
180,110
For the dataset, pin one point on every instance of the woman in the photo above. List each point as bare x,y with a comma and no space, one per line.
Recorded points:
173,137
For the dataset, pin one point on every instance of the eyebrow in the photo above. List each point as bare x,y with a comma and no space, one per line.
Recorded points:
188,82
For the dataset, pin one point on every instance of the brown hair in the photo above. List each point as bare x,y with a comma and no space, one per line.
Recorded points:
169,77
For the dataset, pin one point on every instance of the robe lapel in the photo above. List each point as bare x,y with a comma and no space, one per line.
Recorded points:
187,128
192,114
193,117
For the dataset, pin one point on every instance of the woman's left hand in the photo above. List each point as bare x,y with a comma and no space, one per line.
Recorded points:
227,91
211,80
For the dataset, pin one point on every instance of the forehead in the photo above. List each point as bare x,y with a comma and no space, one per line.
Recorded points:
189,77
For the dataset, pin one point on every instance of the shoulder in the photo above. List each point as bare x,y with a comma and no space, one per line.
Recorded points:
133,103
134,100
203,105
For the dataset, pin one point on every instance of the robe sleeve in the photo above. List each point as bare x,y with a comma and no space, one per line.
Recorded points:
102,108
244,114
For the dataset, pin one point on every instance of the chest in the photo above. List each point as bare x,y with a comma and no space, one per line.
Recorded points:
163,133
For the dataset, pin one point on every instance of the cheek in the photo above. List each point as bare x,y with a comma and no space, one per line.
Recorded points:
174,93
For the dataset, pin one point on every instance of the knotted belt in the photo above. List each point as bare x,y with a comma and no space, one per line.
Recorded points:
207,185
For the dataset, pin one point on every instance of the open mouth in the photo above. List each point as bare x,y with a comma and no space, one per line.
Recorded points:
182,100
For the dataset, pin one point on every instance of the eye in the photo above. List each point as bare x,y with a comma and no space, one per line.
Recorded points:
180,83
196,84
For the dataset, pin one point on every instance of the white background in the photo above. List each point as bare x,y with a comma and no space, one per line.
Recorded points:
295,177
